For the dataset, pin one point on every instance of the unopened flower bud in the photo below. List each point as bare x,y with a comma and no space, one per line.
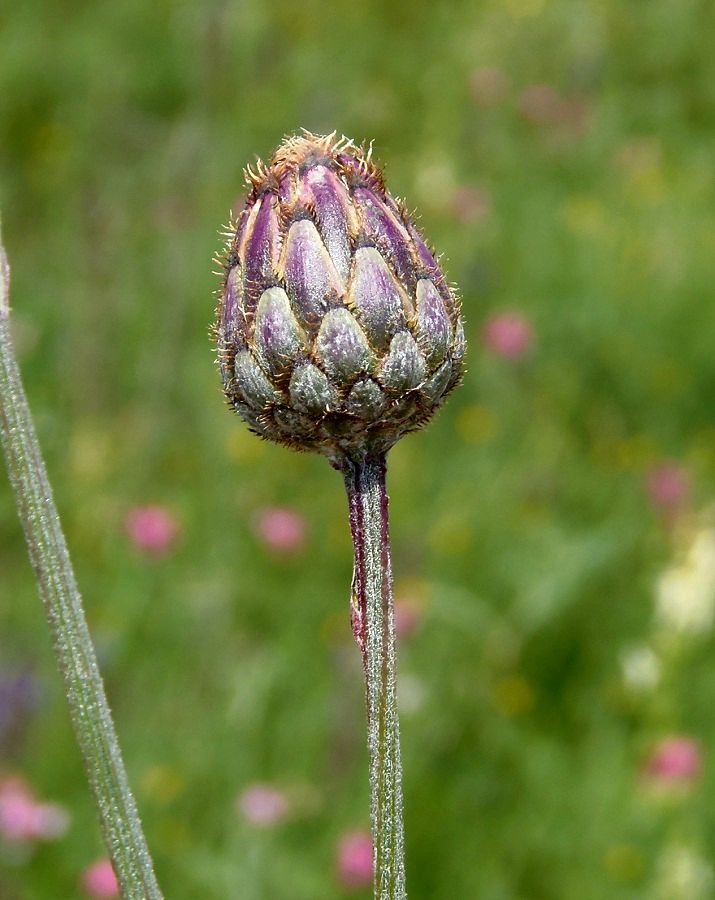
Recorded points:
337,330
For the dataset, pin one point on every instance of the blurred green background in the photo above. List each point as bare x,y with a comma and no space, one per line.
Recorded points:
552,528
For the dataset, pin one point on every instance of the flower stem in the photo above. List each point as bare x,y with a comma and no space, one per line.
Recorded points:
75,655
372,612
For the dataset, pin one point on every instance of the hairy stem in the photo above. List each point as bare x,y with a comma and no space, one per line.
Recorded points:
75,655
372,611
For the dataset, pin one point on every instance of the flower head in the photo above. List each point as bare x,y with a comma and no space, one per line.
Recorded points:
337,330
151,528
543,105
668,487
675,760
355,859
262,805
23,818
685,591
641,667
99,880
19,692
280,529
683,874
489,86
408,615
509,334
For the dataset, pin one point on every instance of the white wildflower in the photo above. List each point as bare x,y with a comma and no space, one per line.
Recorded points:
641,668
684,875
685,593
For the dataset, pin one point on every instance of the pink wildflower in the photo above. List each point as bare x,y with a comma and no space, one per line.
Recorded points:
355,859
99,880
542,104
470,204
408,616
151,528
22,818
280,529
668,487
489,86
509,334
262,805
675,760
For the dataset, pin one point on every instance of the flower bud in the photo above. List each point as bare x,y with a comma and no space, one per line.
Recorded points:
337,331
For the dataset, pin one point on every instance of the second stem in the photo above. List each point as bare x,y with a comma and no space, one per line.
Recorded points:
372,611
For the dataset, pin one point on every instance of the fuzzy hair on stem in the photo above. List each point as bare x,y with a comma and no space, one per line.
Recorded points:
373,620
76,659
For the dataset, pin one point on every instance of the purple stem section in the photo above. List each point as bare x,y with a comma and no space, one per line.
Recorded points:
372,615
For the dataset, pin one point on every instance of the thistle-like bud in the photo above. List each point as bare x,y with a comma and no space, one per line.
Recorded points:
337,330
